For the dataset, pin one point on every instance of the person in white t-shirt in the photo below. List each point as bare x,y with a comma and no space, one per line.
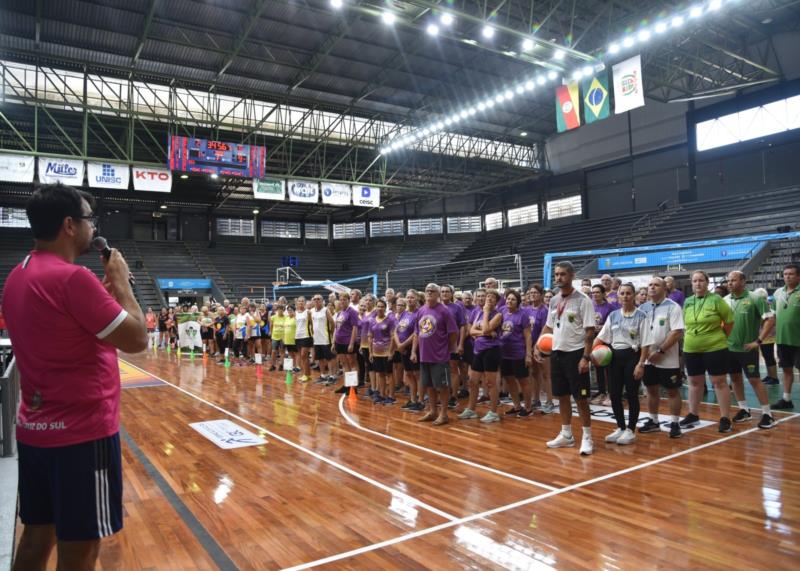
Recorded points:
571,320
321,326
663,332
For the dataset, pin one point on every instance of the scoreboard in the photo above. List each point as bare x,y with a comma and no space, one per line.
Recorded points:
194,155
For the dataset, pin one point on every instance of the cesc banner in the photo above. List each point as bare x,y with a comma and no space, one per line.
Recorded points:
366,196
333,193
303,191
108,175
152,179
16,168
66,171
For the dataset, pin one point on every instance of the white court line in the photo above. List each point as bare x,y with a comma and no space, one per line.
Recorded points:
308,451
520,503
442,454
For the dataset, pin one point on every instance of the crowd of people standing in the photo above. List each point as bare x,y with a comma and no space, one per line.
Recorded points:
449,350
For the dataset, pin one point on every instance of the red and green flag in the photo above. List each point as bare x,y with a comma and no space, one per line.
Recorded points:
595,98
567,104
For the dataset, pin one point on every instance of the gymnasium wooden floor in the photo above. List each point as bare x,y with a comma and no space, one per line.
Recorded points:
348,485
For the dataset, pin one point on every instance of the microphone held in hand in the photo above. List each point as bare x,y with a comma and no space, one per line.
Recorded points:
101,245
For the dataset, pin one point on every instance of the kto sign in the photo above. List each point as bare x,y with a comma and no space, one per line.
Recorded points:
152,179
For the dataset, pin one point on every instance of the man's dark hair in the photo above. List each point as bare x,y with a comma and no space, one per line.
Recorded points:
792,266
565,265
50,204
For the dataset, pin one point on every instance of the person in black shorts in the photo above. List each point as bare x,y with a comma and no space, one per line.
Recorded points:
662,337
571,320
486,362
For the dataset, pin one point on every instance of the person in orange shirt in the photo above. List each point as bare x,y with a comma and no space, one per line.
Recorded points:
150,323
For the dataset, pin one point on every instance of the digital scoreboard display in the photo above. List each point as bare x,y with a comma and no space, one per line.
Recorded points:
194,155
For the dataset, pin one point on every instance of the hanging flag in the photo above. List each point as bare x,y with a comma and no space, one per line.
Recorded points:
595,98
567,116
628,86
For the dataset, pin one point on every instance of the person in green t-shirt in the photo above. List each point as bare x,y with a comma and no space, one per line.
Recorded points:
752,320
289,333
708,320
787,330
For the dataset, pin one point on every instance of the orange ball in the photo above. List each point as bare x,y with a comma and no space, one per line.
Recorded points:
545,343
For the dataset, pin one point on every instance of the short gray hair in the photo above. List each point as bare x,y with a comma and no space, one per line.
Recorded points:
434,287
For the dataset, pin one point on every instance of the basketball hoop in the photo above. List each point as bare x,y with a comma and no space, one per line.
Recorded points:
279,284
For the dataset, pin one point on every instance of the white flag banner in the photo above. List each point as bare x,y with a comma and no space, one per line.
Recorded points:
108,175
67,171
338,194
189,335
152,179
366,195
628,85
269,189
303,191
17,168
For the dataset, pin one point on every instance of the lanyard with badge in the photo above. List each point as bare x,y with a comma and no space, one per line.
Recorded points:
789,297
695,311
653,315
560,307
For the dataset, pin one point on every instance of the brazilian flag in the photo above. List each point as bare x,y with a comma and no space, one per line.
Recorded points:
595,98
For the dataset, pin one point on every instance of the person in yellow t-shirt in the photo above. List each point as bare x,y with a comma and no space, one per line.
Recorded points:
277,321
289,332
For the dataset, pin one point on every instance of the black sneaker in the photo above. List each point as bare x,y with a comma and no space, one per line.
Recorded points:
462,393
407,405
417,407
770,381
766,421
783,405
513,411
689,420
452,403
649,426
725,424
674,430
743,416
341,390
523,412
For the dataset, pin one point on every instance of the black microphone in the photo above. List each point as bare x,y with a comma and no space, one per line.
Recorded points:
101,245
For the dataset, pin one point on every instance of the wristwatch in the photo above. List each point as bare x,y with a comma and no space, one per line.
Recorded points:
759,341
587,357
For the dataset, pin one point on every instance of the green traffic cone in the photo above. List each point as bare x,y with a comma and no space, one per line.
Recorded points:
191,355
169,348
288,376
227,363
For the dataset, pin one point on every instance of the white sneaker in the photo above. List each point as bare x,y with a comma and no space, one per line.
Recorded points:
467,414
627,437
562,441
587,446
490,417
614,436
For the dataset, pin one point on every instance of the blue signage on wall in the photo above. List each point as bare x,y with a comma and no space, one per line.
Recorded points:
183,283
649,259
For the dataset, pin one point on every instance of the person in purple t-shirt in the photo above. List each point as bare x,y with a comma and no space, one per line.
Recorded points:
602,309
457,357
540,371
492,283
403,339
469,308
673,293
515,336
485,330
344,337
381,344
435,334
365,371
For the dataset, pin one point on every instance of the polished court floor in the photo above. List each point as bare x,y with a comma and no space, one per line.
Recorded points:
350,485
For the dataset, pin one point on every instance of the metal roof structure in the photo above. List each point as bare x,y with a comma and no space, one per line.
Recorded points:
323,88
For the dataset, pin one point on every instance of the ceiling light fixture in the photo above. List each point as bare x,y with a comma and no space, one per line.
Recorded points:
488,32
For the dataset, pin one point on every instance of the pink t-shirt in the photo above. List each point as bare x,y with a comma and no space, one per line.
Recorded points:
58,315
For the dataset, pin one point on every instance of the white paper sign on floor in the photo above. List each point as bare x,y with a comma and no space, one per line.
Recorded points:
226,434
606,414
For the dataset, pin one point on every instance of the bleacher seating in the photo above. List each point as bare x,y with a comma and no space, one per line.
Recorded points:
243,268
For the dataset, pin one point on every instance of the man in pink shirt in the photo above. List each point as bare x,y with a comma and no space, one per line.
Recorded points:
70,474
